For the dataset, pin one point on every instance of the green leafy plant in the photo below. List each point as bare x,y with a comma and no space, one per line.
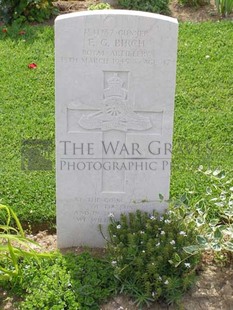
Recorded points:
225,7
48,286
208,203
147,254
99,6
13,245
154,6
213,215
25,10
65,282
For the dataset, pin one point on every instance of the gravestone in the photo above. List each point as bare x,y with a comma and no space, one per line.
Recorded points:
115,86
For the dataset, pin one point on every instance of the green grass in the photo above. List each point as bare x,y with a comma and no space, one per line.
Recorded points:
203,112
27,112
203,125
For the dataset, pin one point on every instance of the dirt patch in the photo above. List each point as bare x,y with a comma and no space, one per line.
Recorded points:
73,6
194,14
212,291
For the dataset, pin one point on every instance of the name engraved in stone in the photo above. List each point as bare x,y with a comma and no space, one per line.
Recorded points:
129,43
117,46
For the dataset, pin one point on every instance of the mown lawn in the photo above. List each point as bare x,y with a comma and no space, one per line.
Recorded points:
203,130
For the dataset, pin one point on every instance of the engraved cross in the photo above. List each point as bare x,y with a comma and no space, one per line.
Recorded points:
114,120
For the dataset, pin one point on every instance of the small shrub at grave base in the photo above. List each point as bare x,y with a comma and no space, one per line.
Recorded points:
147,254
25,10
154,6
99,6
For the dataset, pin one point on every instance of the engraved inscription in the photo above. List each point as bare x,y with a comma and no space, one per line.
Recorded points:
115,46
118,46
99,212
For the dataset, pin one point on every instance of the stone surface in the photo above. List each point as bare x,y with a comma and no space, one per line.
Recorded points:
115,85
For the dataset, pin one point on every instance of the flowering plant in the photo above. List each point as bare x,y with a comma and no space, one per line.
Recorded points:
146,251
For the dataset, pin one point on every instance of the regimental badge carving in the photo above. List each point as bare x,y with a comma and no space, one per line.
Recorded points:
117,112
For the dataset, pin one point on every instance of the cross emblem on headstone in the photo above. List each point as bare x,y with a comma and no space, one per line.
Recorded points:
116,114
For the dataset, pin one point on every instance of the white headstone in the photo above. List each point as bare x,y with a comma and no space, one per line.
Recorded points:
115,86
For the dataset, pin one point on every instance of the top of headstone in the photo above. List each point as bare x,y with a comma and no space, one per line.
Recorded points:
118,12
